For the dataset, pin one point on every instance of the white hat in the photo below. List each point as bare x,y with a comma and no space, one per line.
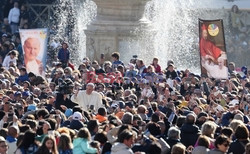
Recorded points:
233,102
77,116
2,139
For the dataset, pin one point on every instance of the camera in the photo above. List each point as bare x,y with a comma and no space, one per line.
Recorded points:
65,86
135,56
133,61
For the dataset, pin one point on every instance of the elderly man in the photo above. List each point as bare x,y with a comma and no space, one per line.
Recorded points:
31,50
219,71
88,99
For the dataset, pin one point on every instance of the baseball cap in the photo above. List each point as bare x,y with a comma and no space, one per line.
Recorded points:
26,93
114,105
17,93
31,107
2,139
4,35
233,102
178,79
130,104
68,112
77,116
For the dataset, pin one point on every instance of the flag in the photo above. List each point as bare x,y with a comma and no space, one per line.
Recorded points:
34,45
213,57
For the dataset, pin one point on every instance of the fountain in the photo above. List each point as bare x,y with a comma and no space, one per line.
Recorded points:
114,28
122,25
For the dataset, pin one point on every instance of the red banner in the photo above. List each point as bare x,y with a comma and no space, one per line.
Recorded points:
213,57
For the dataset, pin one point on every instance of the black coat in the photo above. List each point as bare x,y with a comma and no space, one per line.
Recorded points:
60,101
237,147
189,134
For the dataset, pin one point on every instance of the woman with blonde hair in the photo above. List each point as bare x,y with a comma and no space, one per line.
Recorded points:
208,129
178,148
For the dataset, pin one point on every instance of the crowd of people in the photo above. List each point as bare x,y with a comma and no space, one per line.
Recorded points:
108,107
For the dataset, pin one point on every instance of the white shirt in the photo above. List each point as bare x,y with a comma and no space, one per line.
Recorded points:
85,100
216,72
14,15
33,66
7,60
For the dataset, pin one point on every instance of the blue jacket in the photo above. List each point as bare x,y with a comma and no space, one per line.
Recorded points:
63,55
81,146
22,78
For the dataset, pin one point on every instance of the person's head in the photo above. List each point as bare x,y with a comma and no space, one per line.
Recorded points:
231,66
23,71
154,128
64,45
115,56
84,133
139,62
102,111
6,21
222,143
65,142
190,118
13,54
141,109
235,123
208,129
178,149
3,145
127,118
49,142
154,148
155,61
101,137
4,132
241,132
171,67
150,69
32,124
31,48
93,126
16,4
68,71
13,131
126,137
203,141
46,127
235,9
247,148
227,131
180,121
204,32
221,62
28,139
95,144
90,88
174,133
42,114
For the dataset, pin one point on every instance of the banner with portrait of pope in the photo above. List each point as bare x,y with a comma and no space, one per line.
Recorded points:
213,49
34,45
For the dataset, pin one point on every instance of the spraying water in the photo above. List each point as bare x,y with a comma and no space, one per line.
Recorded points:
173,35
177,32
72,17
